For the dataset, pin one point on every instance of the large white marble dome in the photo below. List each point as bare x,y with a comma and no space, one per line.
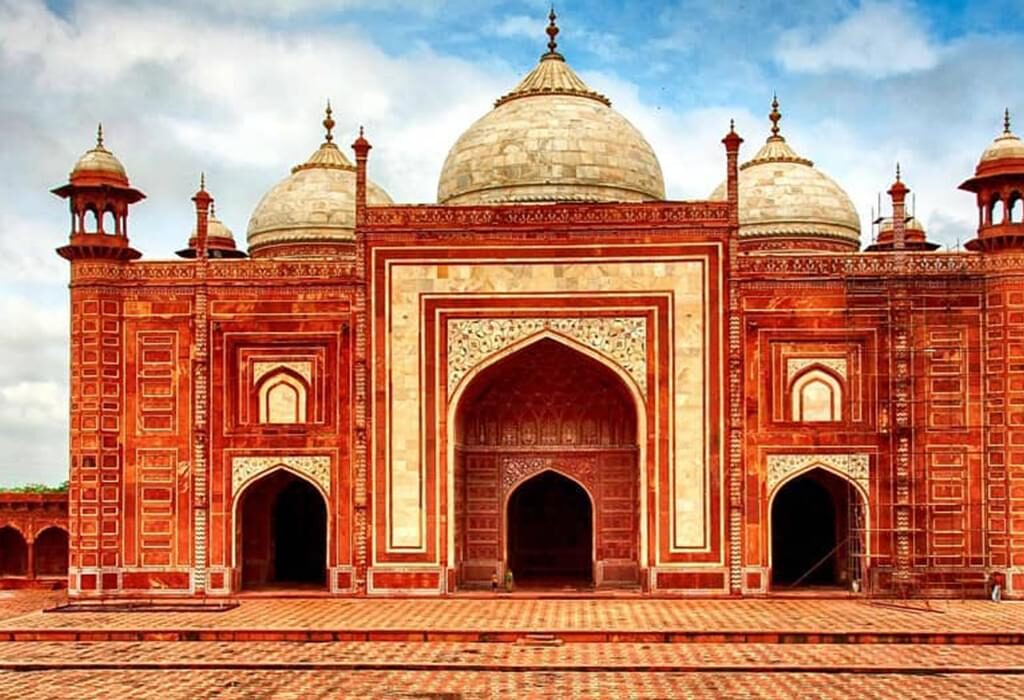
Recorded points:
551,139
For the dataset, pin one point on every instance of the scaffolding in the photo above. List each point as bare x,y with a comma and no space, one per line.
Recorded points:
923,534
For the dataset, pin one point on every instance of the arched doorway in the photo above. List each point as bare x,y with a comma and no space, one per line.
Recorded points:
547,407
13,552
811,533
51,552
283,533
549,532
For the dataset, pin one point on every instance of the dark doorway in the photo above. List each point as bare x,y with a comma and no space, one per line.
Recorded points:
284,533
51,552
13,552
550,532
810,531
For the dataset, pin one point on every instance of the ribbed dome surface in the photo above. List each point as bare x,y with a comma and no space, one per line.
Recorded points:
99,161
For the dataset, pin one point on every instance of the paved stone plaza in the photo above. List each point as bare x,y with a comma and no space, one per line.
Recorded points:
539,650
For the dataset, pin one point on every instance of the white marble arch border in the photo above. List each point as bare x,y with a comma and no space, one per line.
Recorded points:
852,467
314,468
512,348
263,465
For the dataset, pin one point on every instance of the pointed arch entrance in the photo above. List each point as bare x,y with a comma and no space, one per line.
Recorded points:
282,533
544,415
550,531
815,530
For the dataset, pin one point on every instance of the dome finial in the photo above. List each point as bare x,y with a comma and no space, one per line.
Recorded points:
99,135
1006,121
775,116
202,181
552,32
898,172
329,123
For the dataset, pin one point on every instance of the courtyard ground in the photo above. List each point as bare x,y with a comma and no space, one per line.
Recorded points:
515,647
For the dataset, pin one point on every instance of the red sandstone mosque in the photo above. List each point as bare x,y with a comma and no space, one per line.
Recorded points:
552,371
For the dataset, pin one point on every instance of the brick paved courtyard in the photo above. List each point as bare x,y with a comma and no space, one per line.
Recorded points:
532,615
533,666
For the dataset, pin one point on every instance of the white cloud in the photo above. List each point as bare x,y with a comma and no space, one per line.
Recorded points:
877,40
519,26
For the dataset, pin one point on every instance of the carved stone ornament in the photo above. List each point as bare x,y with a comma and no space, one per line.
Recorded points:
853,466
303,369
622,340
245,469
795,365
515,470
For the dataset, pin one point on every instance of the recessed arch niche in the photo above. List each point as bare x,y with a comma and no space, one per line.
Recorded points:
546,406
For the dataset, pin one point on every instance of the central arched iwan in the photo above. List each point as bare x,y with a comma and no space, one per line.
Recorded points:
546,407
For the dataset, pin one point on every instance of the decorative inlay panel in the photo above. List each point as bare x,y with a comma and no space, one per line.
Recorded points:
621,339
303,369
516,469
245,469
795,365
852,465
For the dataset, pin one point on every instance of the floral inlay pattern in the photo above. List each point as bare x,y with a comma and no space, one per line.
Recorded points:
316,467
795,365
854,466
621,339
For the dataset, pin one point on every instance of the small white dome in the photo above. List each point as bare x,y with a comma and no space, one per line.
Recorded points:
315,204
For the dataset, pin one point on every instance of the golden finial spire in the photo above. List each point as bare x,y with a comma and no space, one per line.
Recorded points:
99,135
775,116
1006,121
329,123
552,32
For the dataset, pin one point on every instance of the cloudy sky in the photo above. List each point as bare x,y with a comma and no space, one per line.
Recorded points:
236,88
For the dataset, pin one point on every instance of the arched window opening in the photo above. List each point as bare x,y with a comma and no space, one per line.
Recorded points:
816,396
282,398
1016,208
13,552
997,213
51,552
109,224
92,222
282,535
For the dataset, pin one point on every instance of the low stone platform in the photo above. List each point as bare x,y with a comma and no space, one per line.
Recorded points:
579,620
